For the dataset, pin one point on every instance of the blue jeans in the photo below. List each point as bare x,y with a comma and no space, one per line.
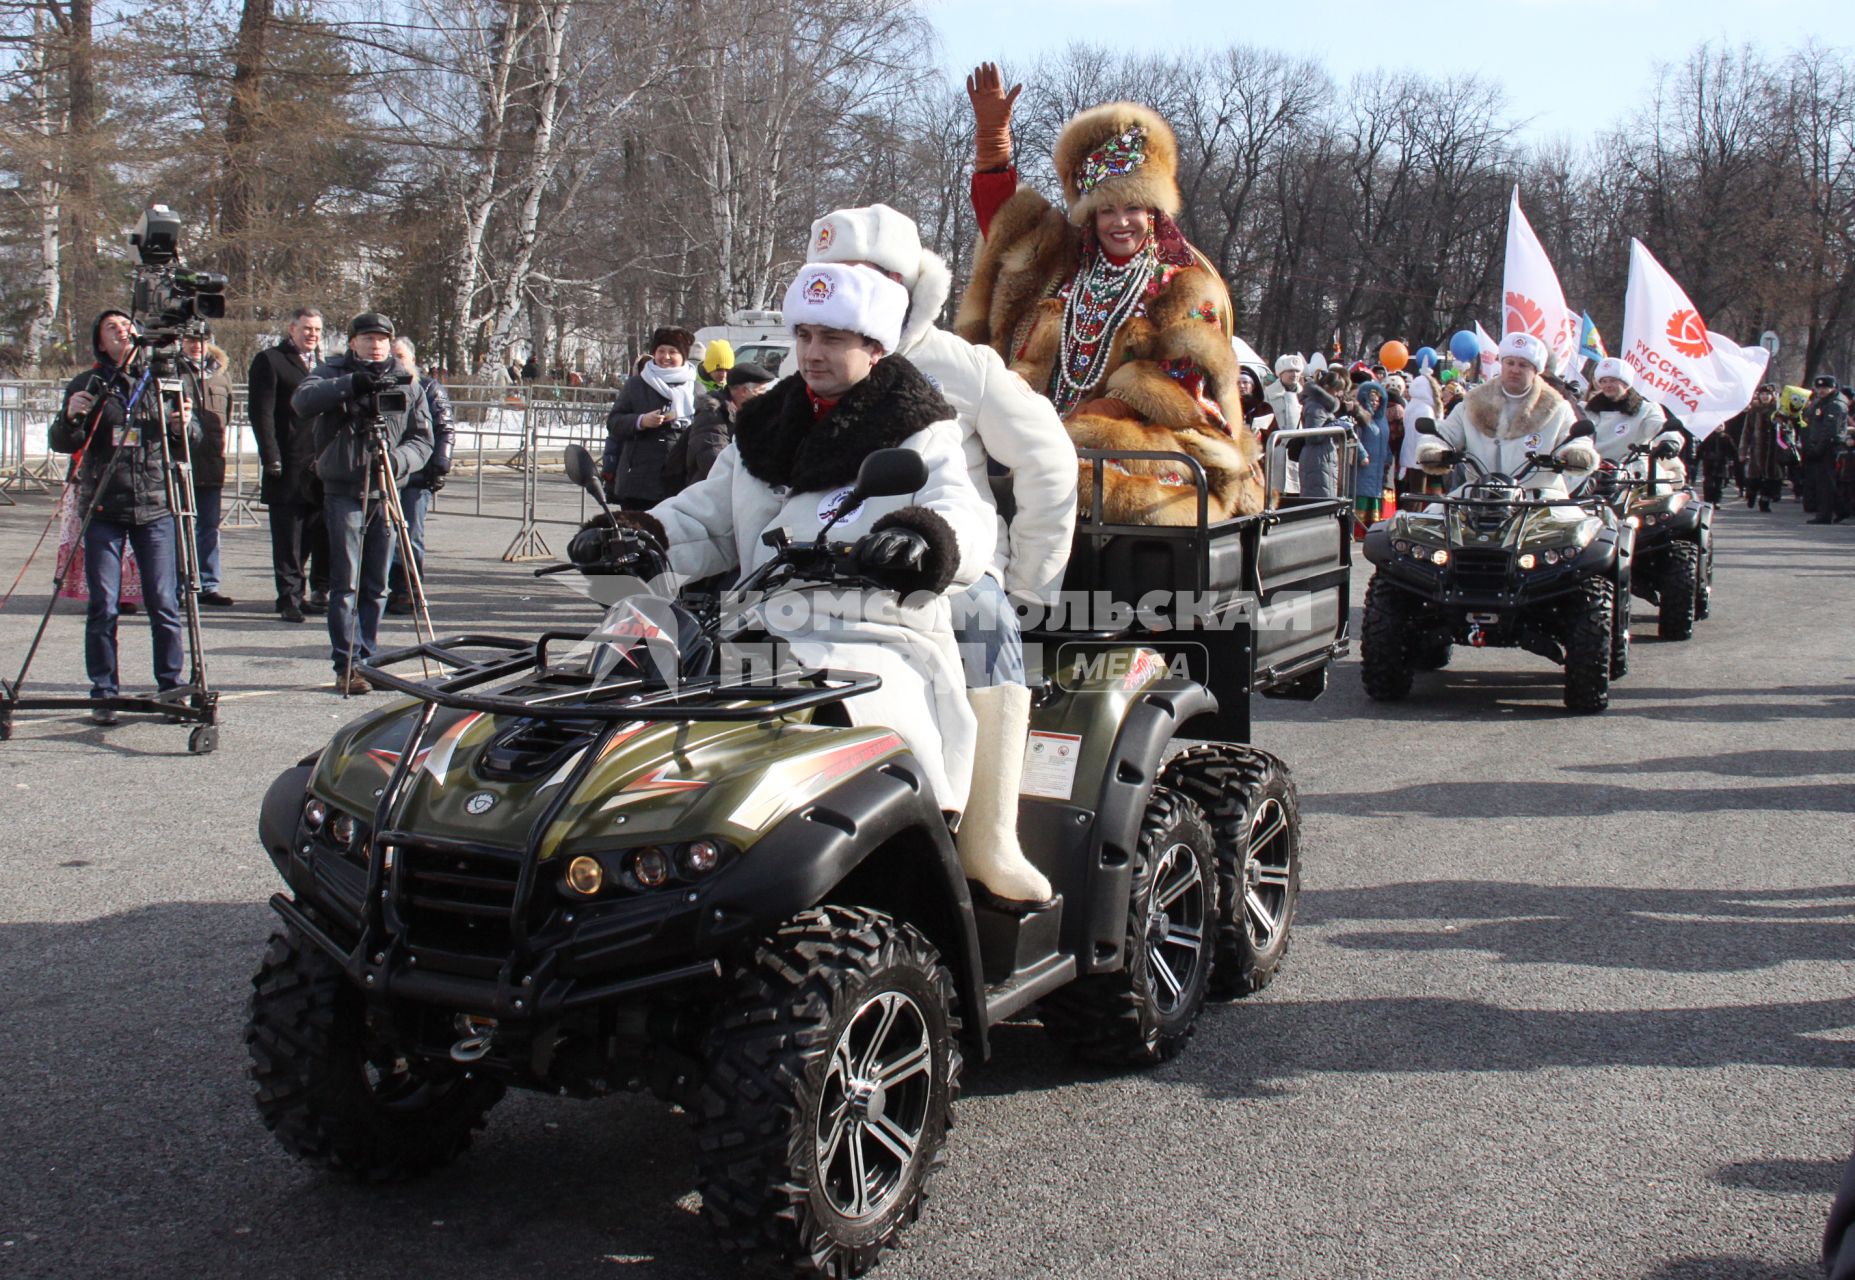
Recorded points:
358,559
206,535
154,552
985,625
415,502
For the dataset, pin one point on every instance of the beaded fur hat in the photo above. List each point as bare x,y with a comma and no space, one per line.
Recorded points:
1117,153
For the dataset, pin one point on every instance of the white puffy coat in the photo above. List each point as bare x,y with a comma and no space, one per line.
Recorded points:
716,525
1499,430
1639,421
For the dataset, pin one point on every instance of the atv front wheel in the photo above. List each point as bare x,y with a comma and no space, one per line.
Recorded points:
1384,646
1587,647
332,1092
829,1091
1144,1012
1255,816
1703,584
1679,585
1619,634
1431,655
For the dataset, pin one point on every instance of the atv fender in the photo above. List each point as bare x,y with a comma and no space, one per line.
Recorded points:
280,812
875,840
1377,544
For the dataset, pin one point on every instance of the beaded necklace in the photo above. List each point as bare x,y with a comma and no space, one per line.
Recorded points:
1105,295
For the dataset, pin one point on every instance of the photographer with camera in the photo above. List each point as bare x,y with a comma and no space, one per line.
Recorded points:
120,475
650,413
415,495
372,429
212,401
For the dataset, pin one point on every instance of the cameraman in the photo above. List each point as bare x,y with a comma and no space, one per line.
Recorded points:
129,494
343,400
650,413
415,495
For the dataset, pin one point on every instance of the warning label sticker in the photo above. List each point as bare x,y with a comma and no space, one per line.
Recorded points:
1050,765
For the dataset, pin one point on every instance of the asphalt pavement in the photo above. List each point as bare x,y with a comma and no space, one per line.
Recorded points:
1567,996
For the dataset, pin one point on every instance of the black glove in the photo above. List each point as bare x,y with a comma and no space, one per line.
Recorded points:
892,556
601,548
1667,449
435,481
364,381
273,468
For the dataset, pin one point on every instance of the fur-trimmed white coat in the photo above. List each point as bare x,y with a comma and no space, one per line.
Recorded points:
1499,430
762,482
1638,421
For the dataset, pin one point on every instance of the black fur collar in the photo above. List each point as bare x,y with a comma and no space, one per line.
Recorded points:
781,445
1628,403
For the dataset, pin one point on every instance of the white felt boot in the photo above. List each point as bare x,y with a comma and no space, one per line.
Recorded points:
988,838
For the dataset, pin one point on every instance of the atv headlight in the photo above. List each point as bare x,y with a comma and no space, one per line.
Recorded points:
1528,560
342,829
315,813
1401,546
650,868
701,857
584,876
1634,522
1439,557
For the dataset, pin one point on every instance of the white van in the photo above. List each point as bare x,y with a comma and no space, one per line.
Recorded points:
758,337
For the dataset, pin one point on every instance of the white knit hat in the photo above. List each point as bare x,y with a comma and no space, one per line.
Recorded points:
1611,367
1527,347
855,299
1290,363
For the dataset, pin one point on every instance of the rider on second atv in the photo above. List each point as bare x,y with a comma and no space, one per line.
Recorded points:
1500,422
1624,418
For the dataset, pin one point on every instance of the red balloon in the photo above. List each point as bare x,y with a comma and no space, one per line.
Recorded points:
1394,355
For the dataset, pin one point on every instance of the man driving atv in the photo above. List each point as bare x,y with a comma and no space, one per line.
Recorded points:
1624,418
1499,423
793,461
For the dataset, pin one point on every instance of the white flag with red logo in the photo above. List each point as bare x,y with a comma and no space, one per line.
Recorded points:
1533,301
1490,359
1681,364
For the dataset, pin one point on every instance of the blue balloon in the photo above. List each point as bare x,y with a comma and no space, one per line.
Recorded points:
1426,358
1465,346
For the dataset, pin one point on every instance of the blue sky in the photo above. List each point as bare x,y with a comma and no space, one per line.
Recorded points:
1575,65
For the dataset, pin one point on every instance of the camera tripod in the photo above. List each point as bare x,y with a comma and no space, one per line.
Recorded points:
200,704
380,483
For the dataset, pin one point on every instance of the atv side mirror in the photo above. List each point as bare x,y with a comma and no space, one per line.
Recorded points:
1425,427
584,472
888,473
1582,428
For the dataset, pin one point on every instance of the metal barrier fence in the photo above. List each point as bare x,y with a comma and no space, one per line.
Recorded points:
500,430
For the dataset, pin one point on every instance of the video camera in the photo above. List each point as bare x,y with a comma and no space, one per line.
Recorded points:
372,407
169,299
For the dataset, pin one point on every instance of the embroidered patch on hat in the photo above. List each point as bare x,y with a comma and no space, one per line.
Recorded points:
1115,158
825,233
819,288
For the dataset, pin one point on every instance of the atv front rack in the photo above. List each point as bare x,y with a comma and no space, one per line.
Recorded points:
570,695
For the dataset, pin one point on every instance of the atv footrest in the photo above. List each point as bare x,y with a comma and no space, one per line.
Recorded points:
1021,958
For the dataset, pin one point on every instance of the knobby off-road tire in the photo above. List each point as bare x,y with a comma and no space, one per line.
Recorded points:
1703,583
1678,587
1587,647
1144,1012
1250,799
332,1093
1384,644
1619,633
832,1072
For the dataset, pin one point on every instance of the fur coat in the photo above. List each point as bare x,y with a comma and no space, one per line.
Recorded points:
1499,430
1159,372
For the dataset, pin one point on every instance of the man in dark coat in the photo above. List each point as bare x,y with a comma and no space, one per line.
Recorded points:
121,475
1825,424
287,448
695,450
415,494
212,404
333,401
1761,452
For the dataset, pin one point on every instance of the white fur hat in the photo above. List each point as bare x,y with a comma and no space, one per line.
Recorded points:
1290,363
1527,347
1611,367
856,299
889,240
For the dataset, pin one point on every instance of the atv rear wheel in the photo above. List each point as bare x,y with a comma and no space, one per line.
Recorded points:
1678,587
1587,647
1703,583
1144,1012
1384,645
332,1092
831,1078
1255,816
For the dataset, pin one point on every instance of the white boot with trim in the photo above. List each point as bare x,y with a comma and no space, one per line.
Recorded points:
1004,878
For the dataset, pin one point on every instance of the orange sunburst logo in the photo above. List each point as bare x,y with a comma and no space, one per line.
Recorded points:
1524,315
1687,333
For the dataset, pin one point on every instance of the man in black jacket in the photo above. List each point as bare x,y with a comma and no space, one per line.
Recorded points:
121,475
335,401
286,449
415,495
212,403
695,450
1825,423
